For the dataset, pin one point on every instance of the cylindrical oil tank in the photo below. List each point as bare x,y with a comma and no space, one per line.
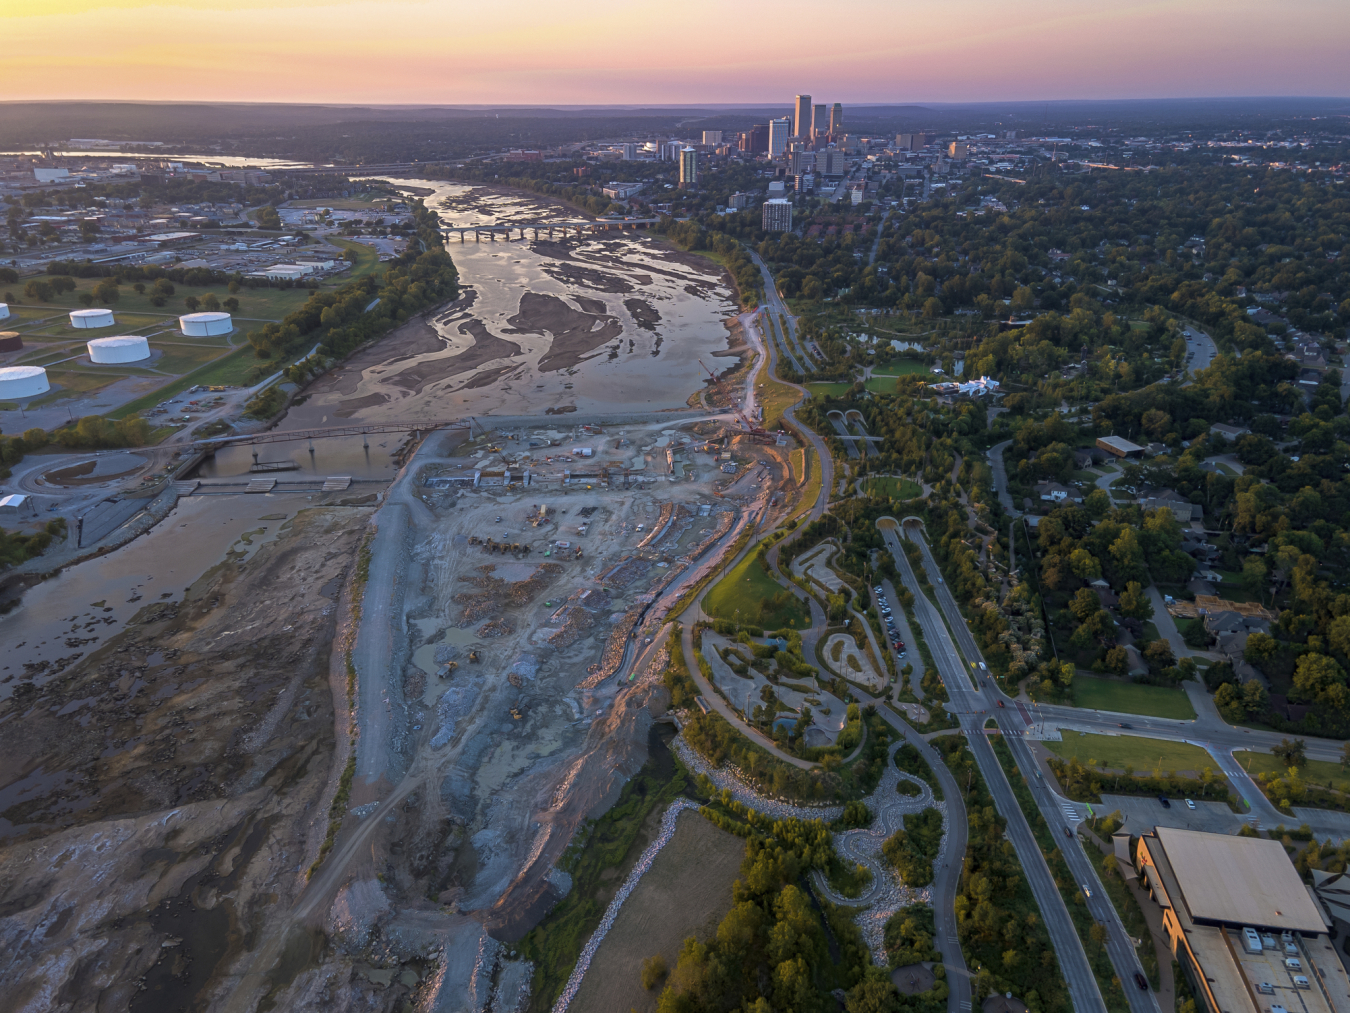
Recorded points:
126,348
17,383
204,325
10,341
4,311
91,318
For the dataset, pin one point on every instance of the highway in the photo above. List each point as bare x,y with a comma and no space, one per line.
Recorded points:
776,310
972,707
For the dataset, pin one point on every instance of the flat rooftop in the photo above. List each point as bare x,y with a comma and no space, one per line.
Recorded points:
1239,881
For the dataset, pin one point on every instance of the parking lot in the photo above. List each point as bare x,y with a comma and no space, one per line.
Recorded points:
1142,814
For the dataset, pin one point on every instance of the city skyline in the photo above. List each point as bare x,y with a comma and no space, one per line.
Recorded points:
528,53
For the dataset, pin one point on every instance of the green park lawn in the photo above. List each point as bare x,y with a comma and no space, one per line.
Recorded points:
829,389
1119,751
895,488
226,371
745,593
900,367
1131,698
367,258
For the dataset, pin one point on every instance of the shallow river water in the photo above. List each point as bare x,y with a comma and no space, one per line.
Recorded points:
611,322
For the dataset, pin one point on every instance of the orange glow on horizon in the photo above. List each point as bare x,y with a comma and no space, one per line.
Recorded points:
529,52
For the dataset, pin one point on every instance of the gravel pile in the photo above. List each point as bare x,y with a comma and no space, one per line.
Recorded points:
607,922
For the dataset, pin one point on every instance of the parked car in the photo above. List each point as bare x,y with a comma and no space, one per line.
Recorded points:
1166,804
1190,804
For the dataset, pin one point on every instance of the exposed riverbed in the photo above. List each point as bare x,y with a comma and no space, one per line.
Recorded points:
604,323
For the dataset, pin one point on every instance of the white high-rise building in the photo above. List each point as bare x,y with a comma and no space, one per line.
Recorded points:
712,138
777,215
779,132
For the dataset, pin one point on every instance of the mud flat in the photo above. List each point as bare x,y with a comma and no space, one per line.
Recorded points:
163,795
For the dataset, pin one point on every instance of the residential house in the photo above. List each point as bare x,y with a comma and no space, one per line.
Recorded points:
1228,432
1227,622
1053,492
1182,509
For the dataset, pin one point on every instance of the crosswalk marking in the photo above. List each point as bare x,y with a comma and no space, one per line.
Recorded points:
1070,811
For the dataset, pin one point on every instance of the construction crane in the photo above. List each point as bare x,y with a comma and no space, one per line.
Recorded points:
757,433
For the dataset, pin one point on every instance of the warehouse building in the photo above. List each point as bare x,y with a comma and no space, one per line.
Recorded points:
1249,935
1119,447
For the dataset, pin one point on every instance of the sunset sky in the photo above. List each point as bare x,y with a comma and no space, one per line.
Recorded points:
532,51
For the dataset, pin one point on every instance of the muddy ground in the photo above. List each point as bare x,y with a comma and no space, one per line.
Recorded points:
166,794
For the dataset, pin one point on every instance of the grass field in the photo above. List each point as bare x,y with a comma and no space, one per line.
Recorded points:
744,592
828,389
1130,698
226,371
900,367
686,892
1318,771
798,461
1119,751
254,304
811,491
895,488
367,258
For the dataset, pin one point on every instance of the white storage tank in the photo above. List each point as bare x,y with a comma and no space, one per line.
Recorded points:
204,325
91,318
125,348
4,311
18,383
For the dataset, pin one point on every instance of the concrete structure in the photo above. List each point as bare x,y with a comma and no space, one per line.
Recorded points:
620,191
4,311
127,348
801,117
15,505
50,175
958,149
777,215
688,168
89,319
779,132
283,272
712,138
18,383
203,325
820,124
10,341
1229,433
1117,446
628,152
837,119
1249,935
754,141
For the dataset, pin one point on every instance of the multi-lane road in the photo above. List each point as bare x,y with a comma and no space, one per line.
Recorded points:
973,702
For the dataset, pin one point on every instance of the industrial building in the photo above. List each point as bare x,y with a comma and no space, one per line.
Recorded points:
90,319
125,348
10,341
1249,935
18,383
1119,447
4,311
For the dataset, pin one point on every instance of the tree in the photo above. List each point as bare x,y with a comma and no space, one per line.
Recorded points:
1254,577
1135,603
1260,647
1084,604
1158,654
210,302
1229,703
192,302
106,291
1098,503
653,971
1292,753
230,305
